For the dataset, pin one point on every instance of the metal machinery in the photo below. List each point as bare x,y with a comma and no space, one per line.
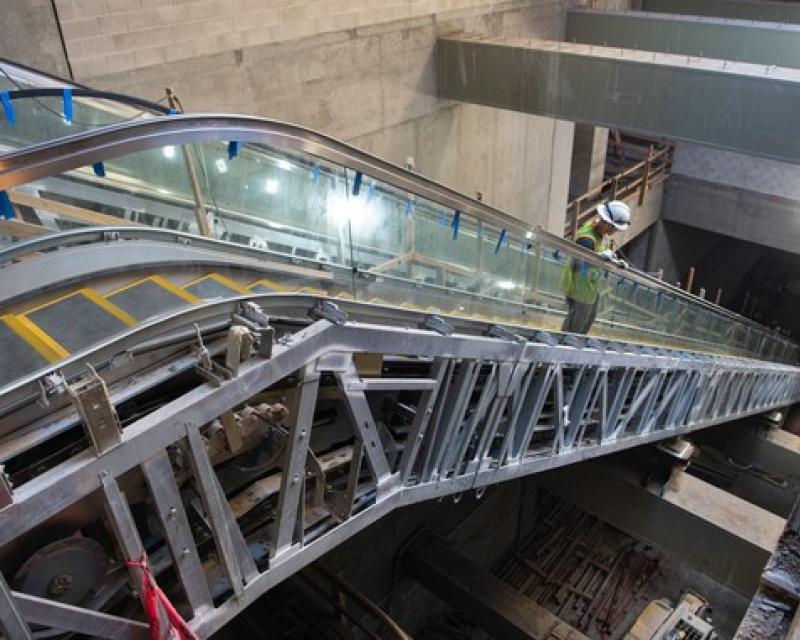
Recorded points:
347,338
687,620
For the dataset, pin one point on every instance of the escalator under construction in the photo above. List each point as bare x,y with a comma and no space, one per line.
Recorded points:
228,344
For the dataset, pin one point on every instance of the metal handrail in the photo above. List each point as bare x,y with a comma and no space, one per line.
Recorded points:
82,149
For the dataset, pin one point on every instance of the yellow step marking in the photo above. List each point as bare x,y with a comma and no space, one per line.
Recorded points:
48,348
222,280
94,297
271,284
162,282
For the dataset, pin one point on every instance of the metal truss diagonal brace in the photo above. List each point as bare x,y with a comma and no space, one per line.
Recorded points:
361,415
290,509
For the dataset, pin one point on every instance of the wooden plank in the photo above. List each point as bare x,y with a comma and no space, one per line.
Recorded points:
22,230
70,212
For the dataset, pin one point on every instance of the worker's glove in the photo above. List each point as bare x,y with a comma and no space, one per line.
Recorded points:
608,254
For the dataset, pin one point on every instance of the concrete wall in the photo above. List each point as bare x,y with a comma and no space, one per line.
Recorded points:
374,86
29,33
356,69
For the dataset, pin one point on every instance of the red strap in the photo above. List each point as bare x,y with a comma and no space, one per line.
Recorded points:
152,596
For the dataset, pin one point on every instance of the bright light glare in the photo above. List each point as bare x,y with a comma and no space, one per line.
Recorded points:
344,209
169,152
284,164
505,284
222,166
271,186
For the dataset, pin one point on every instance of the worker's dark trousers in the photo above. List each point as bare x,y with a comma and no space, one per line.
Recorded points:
580,316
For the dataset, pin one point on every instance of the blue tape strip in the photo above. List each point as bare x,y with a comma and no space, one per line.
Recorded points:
443,217
67,106
233,149
605,273
500,241
172,112
99,169
556,255
6,208
315,171
409,206
8,108
456,223
357,183
584,267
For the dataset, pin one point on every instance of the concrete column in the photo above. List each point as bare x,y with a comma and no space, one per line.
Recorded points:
588,158
561,159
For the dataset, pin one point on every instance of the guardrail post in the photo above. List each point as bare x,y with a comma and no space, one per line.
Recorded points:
646,176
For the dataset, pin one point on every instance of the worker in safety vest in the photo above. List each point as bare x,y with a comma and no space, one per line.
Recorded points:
580,281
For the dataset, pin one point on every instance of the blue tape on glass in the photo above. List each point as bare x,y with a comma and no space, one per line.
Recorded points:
584,267
315,171
605,273
172,112
99,169
443,217
357,183
621,281
501,240
8,108
67,104
556,255
409,207
233,149
634,284
370,191
6,208
456,223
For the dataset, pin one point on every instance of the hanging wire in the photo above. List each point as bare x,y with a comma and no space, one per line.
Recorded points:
60,115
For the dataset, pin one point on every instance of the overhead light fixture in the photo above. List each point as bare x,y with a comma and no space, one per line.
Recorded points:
222,166
169,152
271,186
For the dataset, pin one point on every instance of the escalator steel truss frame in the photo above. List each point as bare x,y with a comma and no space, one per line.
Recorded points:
576,402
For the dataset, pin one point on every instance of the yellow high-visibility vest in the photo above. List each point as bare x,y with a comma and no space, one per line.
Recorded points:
580,281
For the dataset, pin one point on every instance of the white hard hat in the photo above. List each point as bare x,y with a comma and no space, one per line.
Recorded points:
616,213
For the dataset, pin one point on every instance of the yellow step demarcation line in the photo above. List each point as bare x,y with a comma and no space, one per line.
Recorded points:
222,280
271,284
48,348
94,297
162,282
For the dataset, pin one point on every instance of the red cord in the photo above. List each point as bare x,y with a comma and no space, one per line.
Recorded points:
152,596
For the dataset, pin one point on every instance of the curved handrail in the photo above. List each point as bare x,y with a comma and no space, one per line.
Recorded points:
124,99
81,149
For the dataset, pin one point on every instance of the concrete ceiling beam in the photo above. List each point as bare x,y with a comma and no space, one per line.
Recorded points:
739,106
766,43
739,9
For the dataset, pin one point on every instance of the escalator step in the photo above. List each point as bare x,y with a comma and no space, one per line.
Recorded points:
17,356
150,297
214,287
80,319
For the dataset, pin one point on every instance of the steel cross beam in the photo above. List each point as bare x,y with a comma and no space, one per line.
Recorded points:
539,406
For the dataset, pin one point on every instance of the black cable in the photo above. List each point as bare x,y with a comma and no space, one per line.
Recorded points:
60,116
